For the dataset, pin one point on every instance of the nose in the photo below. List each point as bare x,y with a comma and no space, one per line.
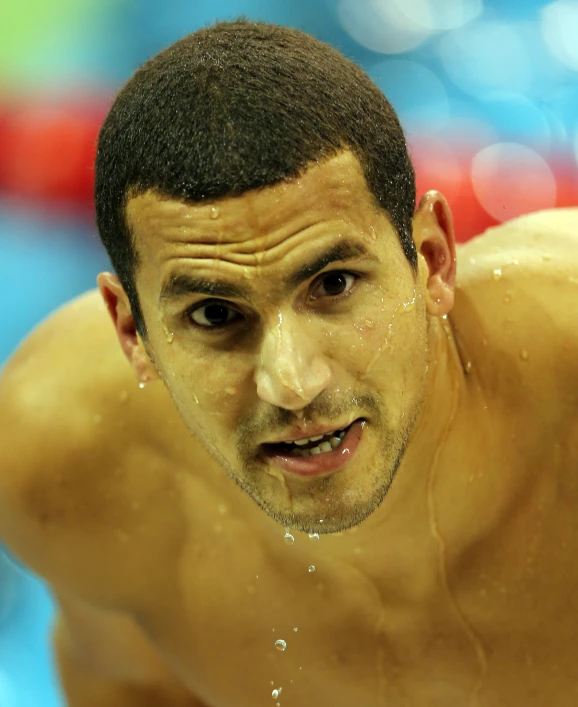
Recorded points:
292,370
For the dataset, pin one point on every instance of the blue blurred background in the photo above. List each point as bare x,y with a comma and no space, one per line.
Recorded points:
487,91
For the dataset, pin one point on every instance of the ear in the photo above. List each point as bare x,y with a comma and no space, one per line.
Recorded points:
117,303
433,234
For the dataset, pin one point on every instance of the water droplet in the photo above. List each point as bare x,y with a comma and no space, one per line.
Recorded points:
280,645
369,323
275,694
314,537
321,520
311,568
196,399
405,307
497,274
524,354
468,366
170,337
214,212
141,385
296,629
289,539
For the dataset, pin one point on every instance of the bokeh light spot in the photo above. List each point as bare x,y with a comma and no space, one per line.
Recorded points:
485,56
379,25
510,179
436,15
559,24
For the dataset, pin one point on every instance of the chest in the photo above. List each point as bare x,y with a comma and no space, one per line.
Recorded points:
499,627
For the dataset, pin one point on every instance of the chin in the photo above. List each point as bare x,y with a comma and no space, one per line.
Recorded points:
325,517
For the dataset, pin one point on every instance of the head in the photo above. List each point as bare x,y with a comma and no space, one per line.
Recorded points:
256,198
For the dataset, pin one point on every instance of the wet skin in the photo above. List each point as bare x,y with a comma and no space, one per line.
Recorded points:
453,584
293,355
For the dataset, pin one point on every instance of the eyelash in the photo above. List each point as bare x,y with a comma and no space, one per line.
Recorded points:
186,315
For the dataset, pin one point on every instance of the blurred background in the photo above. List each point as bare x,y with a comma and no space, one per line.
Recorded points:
487,91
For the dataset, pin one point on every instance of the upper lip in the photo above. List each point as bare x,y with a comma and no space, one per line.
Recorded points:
298,433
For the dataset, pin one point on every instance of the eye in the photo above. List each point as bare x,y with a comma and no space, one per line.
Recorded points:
212,314
335,283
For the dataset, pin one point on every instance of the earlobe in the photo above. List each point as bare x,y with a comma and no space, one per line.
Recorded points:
118,306
435,242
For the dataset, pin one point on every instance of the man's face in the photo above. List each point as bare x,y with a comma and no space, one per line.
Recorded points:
254,347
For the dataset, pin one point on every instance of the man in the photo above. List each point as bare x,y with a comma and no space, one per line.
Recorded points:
332,474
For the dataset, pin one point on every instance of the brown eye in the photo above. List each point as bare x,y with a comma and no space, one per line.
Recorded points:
335,283
212,315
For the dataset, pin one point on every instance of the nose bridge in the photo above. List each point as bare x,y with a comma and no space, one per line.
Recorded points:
292,370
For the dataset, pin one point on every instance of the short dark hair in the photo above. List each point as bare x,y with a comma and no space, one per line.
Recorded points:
235,107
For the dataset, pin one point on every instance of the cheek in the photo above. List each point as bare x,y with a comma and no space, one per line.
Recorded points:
211,387
391,356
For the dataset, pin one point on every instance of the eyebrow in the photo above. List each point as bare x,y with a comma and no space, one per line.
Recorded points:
181,284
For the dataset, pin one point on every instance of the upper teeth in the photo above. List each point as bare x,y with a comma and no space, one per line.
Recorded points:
301,442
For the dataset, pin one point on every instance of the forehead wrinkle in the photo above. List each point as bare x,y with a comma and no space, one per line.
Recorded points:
272,247
181,284
256,214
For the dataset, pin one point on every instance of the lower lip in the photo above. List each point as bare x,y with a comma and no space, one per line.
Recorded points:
324,463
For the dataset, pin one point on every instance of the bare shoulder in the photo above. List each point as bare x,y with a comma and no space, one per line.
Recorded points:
516,300
70,375
68,355
74,434
551,228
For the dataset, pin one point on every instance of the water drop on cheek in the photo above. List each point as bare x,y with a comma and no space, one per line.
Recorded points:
214,212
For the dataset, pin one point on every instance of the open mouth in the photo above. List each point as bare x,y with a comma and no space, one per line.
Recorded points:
317,455
311,447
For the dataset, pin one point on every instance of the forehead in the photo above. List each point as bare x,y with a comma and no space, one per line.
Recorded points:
333,190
